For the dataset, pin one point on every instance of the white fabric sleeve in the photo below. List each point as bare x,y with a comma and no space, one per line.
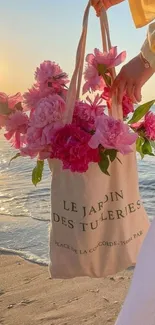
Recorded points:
139,305
148,48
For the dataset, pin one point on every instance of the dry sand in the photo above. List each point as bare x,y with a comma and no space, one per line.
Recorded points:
29,297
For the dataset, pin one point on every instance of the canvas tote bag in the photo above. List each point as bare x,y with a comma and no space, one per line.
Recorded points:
97,222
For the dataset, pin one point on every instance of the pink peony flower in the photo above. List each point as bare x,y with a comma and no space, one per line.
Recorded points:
146,126
33,151
34,95
149,125
70,145
50,75
38,142
14,100
3,98
11,101
38,92
109,59
50,72
40,136
127,104
93,80
112,134
50,80
85,113
49,130
16,126
48,111
9,104
34,136
34,139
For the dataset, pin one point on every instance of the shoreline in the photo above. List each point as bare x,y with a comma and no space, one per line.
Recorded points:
25,256
29,297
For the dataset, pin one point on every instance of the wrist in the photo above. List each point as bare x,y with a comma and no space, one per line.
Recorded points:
148,54
144,61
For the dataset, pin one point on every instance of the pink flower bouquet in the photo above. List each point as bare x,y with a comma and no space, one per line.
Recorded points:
34,122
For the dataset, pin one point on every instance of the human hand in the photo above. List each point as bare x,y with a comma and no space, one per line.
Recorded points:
98,4
131,79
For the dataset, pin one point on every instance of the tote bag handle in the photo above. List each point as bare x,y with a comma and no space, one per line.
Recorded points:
75,84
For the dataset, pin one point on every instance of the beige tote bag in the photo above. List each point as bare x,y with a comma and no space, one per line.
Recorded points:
98,222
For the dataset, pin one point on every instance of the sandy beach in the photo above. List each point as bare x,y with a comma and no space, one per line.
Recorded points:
29,297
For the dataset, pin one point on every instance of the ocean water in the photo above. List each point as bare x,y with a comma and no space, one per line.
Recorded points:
25,210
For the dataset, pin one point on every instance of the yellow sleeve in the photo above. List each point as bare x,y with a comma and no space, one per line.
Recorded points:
143,11
148,48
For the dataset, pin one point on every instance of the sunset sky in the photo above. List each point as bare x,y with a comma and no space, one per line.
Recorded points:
35,30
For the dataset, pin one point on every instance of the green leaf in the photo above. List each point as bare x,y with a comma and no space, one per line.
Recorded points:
141,111
146,148
14,157
112,153
139,144
104,164
37,172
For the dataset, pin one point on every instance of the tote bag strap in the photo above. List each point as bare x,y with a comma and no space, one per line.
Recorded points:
75,84
116,110
74,89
